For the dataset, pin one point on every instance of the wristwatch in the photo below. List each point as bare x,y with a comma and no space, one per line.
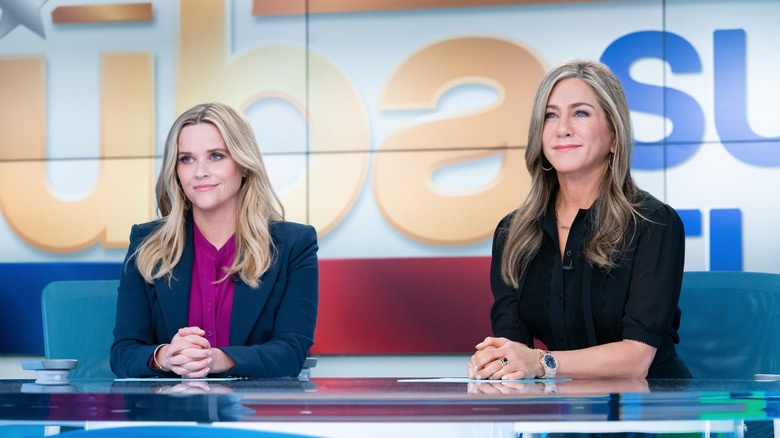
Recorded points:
548,363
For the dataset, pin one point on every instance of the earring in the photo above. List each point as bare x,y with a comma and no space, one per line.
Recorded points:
611,160
545,168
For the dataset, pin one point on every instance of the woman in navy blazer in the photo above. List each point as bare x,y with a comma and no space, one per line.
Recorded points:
220,284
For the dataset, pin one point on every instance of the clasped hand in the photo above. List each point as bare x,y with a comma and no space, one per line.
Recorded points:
521,362
189,353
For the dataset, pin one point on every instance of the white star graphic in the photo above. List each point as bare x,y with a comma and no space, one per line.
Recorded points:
24,12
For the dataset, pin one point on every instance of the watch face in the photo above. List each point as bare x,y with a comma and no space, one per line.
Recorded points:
549,361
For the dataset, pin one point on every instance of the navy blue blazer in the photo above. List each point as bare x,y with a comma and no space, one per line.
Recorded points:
271,328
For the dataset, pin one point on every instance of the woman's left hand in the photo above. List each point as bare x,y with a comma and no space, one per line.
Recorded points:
221,362
500,358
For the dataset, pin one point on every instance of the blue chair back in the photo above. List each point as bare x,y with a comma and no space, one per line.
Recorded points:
78,323
730,326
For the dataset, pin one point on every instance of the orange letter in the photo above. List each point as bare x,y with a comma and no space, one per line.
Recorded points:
402,175
335,115
123,193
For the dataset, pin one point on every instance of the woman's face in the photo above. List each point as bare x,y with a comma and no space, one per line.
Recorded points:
208,174
577,138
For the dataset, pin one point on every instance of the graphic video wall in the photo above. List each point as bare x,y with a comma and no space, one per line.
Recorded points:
396,128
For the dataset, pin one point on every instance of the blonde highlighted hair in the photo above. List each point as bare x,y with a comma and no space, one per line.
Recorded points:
258,204
615,210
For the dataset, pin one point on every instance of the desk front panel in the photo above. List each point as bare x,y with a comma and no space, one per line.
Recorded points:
387,400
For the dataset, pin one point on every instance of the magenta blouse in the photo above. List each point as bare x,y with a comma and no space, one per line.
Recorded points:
211,304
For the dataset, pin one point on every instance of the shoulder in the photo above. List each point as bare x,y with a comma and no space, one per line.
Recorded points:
501,234
140,231
288,232
649,205
147,227
505,222
655,212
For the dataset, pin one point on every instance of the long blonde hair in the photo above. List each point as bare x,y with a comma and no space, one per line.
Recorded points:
258,204
615,209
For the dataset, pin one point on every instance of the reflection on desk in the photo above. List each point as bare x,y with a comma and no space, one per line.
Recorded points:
387,400
567,386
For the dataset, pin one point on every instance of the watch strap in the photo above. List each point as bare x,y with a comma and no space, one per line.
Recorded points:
548,363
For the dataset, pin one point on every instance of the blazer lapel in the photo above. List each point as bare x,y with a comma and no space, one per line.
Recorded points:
248,303
175,299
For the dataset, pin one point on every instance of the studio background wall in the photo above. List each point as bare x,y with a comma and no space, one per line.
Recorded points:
398,130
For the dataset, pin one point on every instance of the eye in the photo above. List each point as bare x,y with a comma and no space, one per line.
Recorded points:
216,156
581,113
549,116
185,159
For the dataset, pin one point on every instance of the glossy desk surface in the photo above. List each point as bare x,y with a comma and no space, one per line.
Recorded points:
388,400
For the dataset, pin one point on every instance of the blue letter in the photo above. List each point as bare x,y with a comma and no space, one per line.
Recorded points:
731,103
680,108
691,222
725,239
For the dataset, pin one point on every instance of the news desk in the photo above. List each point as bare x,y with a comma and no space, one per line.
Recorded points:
386,407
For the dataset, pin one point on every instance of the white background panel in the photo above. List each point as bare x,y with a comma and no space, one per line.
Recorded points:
366,48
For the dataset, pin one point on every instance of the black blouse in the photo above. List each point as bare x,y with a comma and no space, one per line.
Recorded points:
570,305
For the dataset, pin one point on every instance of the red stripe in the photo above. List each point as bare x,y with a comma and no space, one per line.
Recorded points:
403,305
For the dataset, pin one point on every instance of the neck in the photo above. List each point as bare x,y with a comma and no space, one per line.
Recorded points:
579,193
217,229
573,197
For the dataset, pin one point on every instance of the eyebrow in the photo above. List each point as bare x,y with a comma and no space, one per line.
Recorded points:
210,151
574,105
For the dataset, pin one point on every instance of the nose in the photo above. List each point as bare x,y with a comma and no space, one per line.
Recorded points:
201,171
564,127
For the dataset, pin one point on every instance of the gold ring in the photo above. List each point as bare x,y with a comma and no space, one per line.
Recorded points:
504,361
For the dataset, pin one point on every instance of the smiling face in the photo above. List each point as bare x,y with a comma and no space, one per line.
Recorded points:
576,137
207,173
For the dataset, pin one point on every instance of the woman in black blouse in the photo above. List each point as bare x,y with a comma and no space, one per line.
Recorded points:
589,265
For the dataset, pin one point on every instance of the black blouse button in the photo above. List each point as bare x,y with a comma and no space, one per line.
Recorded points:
568,253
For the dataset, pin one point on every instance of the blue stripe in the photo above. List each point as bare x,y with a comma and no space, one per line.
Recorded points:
21,330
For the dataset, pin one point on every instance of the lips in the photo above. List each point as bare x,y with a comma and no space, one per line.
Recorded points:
204,187
566,147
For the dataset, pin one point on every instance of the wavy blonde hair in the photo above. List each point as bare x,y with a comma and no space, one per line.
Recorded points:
258,204
614,211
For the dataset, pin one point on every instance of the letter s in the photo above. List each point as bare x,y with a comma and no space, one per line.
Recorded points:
682,109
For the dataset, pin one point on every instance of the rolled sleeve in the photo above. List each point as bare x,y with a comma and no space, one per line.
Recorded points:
654,291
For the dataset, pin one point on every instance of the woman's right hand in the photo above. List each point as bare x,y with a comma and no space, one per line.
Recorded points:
500,358
188,354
